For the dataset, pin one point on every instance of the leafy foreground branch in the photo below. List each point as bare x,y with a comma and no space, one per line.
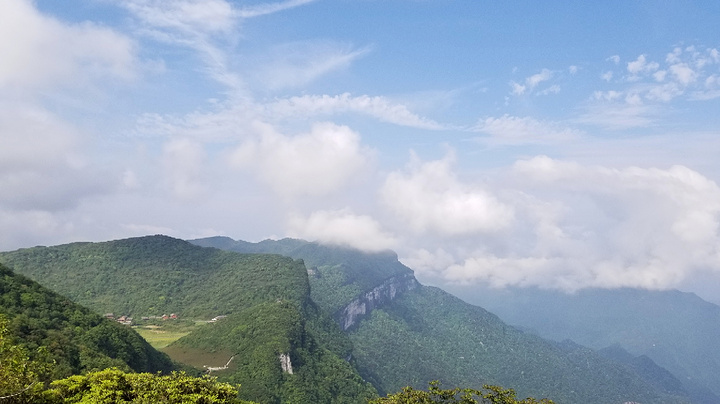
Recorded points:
436,395
115,386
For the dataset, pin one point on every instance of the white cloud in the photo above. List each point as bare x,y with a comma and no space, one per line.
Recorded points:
269,8
183,161
194,17
553,89
42,165
660,75
538,78
39,51
299,63
342,227
607,76
517,89
583,226
640,66
208,27
378,107
531,82
619,115
429,198
315,163
573,69
516,130
614,58
683,73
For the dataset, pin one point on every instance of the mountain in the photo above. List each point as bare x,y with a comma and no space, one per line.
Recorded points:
75,339
274,340
406,333
678,331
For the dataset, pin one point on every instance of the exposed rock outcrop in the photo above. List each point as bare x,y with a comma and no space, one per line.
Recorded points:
375,298
285,363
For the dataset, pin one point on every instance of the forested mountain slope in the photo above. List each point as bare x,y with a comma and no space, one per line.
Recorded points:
74,338
679,331
284,348
405,333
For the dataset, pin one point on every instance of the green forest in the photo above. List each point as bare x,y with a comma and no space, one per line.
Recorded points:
276,337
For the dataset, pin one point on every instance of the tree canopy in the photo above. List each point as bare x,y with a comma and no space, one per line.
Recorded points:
436,395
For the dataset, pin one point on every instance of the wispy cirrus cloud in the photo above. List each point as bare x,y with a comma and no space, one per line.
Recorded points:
270,8
299,63
513,130
378,107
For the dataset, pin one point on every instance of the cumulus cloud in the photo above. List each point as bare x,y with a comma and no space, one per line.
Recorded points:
39,51
516,130
42,166
591,226
428,197
342,227
650,86
183,161
315,163
641,66
531,82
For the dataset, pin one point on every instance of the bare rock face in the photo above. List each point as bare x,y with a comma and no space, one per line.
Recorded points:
375,298
285,363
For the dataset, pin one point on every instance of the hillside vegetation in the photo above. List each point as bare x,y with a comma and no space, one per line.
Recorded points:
266,298
71,338
426,334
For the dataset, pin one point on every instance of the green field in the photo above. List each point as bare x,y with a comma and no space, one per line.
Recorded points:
160,335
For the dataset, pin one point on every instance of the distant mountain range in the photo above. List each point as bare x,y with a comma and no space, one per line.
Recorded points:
678,331
319,323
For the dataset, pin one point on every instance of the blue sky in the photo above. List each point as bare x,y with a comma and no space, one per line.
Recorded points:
554,144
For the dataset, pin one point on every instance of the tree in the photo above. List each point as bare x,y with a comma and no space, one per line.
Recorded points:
436,395
115,386
19,376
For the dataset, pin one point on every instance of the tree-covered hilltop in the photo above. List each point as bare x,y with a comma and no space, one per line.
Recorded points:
408,334
271,321
54,330
158,275
337,274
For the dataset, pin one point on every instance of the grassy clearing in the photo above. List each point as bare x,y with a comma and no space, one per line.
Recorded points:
162,334
159,338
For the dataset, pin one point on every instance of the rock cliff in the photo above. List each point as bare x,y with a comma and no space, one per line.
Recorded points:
378,296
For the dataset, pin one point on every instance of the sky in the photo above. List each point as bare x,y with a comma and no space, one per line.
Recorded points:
555,144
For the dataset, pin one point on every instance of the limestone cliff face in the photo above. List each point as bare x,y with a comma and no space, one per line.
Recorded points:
285,363
375,298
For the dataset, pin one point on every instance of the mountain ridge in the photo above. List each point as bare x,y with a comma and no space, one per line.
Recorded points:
398,320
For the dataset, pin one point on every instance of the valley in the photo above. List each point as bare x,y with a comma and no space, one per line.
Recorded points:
329,324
